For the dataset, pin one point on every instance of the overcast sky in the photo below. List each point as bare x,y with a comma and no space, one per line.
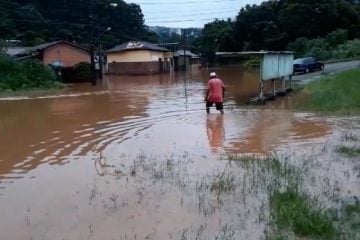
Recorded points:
189,13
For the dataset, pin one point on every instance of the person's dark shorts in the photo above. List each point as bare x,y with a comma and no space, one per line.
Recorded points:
218,105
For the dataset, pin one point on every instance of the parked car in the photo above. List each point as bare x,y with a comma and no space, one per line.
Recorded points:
306,65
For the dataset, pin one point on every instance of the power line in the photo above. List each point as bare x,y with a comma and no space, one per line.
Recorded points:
189,15
190,11
52,22
123,35
189,2
187,20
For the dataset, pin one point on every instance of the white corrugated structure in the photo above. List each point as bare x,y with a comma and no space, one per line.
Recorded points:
273,65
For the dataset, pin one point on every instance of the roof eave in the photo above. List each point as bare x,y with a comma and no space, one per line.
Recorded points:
136,49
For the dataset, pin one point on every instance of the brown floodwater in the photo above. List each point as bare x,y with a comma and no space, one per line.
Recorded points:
66,160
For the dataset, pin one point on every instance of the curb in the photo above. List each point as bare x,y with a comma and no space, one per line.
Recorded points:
339,61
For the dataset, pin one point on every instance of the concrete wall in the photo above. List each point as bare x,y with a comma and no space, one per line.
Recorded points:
138,68
137,62
135,56
67,54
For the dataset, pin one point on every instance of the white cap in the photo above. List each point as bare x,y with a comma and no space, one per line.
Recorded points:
213,74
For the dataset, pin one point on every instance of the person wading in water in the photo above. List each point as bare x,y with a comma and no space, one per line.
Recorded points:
215,93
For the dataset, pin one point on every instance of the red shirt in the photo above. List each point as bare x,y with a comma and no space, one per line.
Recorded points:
215,87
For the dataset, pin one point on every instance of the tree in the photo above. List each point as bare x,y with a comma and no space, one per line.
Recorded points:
217,36
273,24
256,24
36,21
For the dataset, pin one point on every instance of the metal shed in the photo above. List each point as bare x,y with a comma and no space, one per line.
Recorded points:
273,65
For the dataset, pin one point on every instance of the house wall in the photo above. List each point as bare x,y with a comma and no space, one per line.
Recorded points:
138,68
138,62
67,54
135,56
180,63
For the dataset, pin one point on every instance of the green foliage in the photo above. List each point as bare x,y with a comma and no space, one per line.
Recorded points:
349,151
82,71
339,93
38,21
252,63
348,50
223,183
318,48
292,210
299,46
217,36
351,217
333,46
294,214
256,27
27,75
3,47
337,37
272,25
352,208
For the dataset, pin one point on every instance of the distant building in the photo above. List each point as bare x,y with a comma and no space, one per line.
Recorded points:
59,53
190,59
14,51
138,58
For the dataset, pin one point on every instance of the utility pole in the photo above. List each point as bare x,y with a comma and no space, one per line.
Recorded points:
92,47
184,36
185,80
100,61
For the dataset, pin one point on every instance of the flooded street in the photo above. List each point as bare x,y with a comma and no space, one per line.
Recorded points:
124,160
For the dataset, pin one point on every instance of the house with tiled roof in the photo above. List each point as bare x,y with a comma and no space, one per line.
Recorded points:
181,57
58,53
137,58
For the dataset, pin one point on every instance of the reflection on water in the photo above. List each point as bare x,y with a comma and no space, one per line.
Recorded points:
56,150
215,131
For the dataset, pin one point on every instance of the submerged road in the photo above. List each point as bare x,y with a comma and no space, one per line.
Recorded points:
329,68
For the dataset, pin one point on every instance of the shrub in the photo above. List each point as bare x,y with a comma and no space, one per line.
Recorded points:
349,49
299,46
30,74
337,37
82,71
252,63
334,46
318,48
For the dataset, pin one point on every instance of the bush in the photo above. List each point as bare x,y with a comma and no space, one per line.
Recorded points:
82,71
337,37
25,75
318,48
347,50
252,63
299,46
333,47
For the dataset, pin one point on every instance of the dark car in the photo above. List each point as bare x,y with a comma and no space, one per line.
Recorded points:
306,65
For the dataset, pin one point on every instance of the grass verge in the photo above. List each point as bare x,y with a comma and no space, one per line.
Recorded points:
334,94
296,212
348,151
33,92
223,183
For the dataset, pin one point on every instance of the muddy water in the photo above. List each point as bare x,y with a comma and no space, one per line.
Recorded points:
68,162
